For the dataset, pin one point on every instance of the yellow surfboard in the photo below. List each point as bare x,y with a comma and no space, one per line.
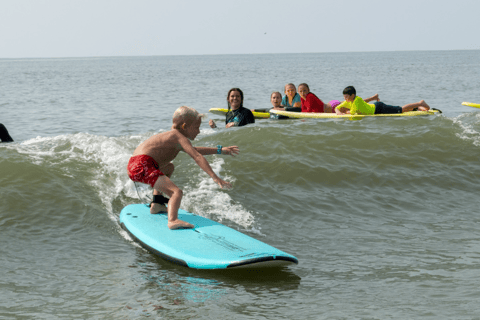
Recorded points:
223,112
471,104
312,115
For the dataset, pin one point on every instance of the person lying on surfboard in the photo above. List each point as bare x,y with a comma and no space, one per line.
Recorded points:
276,101
292,98
310,102
356,105
151,162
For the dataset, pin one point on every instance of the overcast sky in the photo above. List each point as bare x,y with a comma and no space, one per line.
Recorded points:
85,28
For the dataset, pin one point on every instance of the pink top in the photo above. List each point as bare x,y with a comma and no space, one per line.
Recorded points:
334,103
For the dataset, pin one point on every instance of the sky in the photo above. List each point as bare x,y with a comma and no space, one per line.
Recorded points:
92,28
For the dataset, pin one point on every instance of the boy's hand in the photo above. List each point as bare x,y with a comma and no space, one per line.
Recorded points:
212,124
232,150
223,184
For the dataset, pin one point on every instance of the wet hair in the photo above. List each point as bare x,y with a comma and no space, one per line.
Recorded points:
185,115
350,90
275,92
289,84
305,85
241,96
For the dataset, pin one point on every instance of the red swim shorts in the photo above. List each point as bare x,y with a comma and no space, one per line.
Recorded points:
144,169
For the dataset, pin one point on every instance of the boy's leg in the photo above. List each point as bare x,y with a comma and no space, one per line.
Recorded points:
424,106
421,105
158,207
165,185
374,97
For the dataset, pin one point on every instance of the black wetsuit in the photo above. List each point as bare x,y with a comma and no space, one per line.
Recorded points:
242,116
4,136
292,109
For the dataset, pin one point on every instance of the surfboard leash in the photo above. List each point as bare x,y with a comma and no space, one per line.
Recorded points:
148,202
157,198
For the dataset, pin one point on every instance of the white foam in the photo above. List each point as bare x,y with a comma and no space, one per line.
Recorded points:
107,156
467,123
106,159
208,200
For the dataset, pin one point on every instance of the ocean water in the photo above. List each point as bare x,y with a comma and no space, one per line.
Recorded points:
382,213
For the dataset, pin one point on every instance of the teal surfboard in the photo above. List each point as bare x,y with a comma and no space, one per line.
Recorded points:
210,245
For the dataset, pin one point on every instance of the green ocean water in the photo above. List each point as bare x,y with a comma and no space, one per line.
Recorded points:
381,213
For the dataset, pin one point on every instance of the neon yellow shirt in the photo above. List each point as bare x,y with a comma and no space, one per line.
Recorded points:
358,106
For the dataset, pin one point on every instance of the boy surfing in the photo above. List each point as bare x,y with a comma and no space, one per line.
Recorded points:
151,162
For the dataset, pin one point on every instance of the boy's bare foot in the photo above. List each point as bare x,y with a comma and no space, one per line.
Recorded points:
176,224
157,207
375,97
424,106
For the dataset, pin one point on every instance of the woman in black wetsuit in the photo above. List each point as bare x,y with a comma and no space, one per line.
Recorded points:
237,115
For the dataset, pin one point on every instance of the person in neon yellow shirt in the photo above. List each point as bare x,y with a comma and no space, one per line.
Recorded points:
356,105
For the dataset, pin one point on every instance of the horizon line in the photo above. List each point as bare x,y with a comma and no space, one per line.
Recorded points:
219,54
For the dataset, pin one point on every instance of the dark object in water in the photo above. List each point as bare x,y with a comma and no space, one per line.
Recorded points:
4,136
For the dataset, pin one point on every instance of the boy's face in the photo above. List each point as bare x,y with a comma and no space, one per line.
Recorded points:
349,97
192,129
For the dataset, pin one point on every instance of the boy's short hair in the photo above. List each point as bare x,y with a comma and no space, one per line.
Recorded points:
185,115
350,90
290,84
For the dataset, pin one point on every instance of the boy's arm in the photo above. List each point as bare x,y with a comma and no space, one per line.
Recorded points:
232,150
342,108
342,111
200,160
